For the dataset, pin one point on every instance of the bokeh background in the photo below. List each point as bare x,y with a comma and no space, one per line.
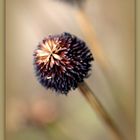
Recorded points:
108,27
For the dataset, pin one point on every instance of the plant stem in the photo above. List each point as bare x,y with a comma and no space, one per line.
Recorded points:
90,35
101,58
98,107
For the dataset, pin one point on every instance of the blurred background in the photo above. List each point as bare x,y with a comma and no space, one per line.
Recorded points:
34,113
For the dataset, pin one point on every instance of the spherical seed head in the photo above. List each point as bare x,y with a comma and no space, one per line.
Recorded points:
61,62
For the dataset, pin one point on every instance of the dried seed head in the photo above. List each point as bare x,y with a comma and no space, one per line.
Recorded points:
61,62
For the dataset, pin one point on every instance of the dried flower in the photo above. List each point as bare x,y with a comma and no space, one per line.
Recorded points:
61,62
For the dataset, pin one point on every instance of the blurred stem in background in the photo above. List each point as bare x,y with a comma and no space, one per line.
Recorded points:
97,106
90,35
